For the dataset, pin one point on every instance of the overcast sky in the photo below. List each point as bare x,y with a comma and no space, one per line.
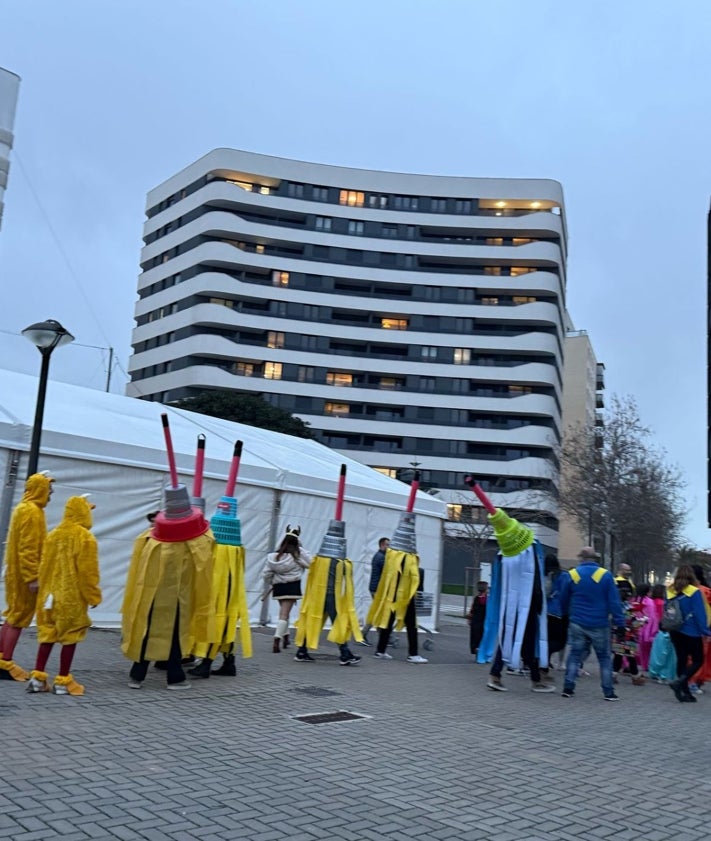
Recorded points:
611,98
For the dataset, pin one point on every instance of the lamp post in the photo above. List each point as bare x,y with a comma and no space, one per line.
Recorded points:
45,336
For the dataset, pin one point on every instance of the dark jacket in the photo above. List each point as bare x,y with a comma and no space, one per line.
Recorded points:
376,570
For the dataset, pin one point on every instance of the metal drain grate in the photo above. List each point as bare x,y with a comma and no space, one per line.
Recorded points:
329,718
316,691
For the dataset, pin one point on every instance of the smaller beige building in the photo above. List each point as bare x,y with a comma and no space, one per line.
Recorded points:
583,386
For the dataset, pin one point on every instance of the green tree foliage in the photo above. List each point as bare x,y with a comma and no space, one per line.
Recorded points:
621,491
250,409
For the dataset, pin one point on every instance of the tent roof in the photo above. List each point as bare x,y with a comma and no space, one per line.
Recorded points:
95,426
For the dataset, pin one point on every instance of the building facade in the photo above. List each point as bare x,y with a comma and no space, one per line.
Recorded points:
413,321
9,88
583,401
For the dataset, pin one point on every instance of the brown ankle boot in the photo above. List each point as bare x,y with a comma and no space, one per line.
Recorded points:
275,647
285,641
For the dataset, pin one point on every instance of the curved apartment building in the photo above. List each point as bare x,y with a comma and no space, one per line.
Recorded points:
9,87
409,319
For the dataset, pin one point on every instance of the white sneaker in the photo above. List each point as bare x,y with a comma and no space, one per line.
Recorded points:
383,655
417,659
134,684
176,686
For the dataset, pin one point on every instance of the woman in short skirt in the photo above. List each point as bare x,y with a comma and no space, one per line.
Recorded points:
282,573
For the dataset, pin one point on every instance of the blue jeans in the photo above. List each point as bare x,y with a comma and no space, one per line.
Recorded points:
580,640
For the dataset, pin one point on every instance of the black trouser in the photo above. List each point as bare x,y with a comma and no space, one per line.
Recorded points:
686,648
175,673
631,663
410,625
528,651
329,607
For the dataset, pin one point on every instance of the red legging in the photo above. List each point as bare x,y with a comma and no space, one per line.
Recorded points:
66,656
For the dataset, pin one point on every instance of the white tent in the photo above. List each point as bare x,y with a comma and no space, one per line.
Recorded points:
113,448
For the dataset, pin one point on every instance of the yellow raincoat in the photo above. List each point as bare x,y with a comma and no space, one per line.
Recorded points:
162,578
229,596
312,614
69,577
397,587
23,552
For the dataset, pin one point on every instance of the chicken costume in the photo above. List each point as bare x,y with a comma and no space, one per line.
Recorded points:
23,553
229,593
69,585
329,591
167,603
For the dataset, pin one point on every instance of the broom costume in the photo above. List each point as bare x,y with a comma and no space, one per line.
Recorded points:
516,625
394,601
23,553
229,593
69,584
329,592
168,598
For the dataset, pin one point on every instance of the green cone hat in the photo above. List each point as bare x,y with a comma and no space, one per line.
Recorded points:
512,537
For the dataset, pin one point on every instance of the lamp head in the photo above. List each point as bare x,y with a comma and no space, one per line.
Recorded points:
47,335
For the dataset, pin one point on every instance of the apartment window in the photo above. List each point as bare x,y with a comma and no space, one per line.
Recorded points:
454,513
489,301
356,228
524,299
428,352
462,355
280,278
408,261
259,249
336,408
222,301
351,198
427,383
387,471
244,369
338,378
244,185
410,231
466,296
463,206
305,374
438,205
519,270
279,308
521,240
272,370
390,231
492,270
319,193
393,323
296,191
309,342
323,223
310,312
377,201
390,383
520,389
265,191
494,240
405,203
275,340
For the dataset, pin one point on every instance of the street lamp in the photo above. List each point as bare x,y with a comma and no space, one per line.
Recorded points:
45,336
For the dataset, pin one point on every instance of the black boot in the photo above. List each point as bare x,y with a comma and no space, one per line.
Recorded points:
203,670
228,668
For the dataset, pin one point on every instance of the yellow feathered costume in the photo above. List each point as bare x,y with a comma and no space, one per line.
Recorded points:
312,615
25,539
163,577
69,577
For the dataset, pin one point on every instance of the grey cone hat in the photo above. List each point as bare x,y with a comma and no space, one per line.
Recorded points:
404,538
334,544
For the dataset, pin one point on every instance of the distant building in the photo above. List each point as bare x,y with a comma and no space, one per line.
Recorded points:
9,87
583,400
414,321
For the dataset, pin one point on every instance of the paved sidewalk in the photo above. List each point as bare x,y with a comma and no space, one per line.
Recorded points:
437,757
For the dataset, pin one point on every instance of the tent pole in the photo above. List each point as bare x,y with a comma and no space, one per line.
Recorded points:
8,491
273,534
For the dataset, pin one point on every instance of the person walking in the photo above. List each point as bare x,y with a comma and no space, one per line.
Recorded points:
69,585
23,553
282,574
477,616
687,639
376,572
589,596
557,623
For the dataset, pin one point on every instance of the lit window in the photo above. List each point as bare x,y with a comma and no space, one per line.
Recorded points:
454,512
393,323
501,204
520,389
336,408
524,299
489,301
280,278
519,270
535,205
259,249
356,228
222,301
244,369
265,191
275,340
389,383
323,223
352,198
462,355
305,374
387,471
521,240
492,270
428,352
338,378
494,240
272,370
245,185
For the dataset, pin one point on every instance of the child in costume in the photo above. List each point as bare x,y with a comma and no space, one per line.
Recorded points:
168,597
228,586
330,593
23,553
626,645
282,577
644,606
69,585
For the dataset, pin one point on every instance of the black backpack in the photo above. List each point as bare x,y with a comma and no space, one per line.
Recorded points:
672,616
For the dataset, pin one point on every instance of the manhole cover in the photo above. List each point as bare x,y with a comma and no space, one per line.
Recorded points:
316,691
329,718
